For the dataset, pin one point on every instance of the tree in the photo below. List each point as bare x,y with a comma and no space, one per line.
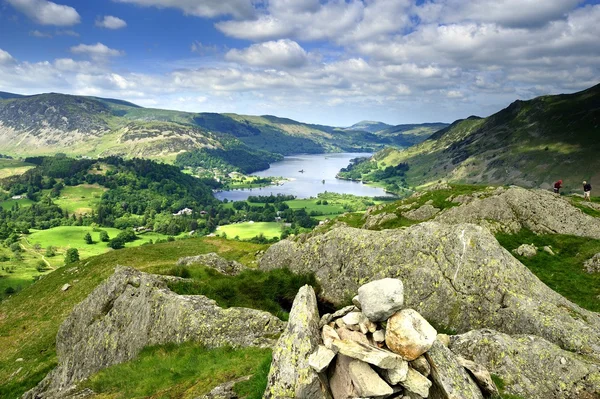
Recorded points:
50,251
117,243
104,236
71,256
15,247
88,238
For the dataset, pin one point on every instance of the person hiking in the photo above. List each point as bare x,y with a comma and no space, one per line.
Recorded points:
587,191
557,187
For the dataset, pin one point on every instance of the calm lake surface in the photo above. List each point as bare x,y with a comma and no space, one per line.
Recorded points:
316,168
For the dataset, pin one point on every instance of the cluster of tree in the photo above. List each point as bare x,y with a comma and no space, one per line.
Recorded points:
357,168
239,158
2,156
364,169
270,199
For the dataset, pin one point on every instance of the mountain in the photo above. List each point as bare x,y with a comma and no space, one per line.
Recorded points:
90,126
4,95
369,126
410,134
530,143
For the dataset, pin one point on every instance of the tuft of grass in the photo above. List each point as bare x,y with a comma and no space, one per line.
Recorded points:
255,387
179,371
563,272
273,291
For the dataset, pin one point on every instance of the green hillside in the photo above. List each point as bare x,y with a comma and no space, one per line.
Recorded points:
530,143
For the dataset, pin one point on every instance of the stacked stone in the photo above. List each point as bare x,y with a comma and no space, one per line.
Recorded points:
379,349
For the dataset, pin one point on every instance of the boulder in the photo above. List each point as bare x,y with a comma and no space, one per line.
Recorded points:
214,261
396,375
421,365
593,265
369,354
450,379
366,381
132,310
416,383
291,375
456,276
526,250
380,299
531,367
425,212
409,334
480,375
340,383
321,358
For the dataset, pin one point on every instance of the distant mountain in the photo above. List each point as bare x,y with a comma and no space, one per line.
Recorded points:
4,95
410,134
369,126
530,143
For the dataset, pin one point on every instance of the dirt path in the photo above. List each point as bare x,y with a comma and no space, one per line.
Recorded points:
30,250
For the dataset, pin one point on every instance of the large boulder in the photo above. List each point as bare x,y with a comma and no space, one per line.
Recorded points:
456,276
131,310
291,375
382,298
531,367
214,261
516,208
409,334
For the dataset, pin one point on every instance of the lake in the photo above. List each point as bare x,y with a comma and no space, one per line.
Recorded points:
316,167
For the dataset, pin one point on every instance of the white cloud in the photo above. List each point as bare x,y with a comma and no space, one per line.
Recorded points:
275,54
5,57
96,51
46,12
41,35
202,8
203,49
110,22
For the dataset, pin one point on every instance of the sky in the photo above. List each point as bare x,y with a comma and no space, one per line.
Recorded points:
333,62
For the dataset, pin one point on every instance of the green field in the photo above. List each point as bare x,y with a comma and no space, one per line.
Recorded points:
12,167
16,274
8,204
248,230
80,199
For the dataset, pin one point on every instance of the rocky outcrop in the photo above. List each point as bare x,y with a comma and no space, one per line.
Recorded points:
593,265
513,209
214,261
224,391
291,375
530,367
454,275
132,310
378,219
425,212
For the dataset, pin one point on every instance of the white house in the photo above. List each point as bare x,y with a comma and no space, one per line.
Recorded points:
184,211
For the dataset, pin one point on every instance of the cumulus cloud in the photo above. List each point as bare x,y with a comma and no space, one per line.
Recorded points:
96,51
275,54
203,8
46,12
5,57
110,22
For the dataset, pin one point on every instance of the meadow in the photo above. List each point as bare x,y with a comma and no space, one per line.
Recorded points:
248,230
13,167
8,204
81,199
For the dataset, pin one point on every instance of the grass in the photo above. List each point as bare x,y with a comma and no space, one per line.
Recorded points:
81,199
30,319
179,371
272,291
23,203
580,203
16,275
564,272
247,230
500,384
255,387
13,167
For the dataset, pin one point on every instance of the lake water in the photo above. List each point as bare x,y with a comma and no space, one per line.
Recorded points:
316,168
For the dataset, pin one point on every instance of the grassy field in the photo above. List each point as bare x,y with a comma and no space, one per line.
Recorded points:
248,230
29,320
8,204
12,167
172,371
15,274
80,199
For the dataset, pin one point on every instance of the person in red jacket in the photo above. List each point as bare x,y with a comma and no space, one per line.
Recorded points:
557,187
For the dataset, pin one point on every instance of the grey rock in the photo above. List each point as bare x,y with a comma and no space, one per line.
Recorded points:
356,336
132,310
548,250
291,375
353,318
356,302
321,358
369,354
224,391
425,212
379,336
530,366
65,287
366,381
444,339
344,311
409,334
421,365
450,379
380,299
328,335
340,383
214,261
481,376
526,250
593,265
373,221
416,383
456,276
396,375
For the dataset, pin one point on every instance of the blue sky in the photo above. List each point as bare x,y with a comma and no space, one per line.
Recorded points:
324,61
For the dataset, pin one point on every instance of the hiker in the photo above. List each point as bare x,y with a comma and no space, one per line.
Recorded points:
587,191
557,187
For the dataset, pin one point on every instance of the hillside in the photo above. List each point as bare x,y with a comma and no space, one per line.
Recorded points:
369,126
530,143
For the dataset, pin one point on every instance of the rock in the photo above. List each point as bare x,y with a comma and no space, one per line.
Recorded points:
416,383
329,335
530,366
396,375
350,335
65,287
456,276
421,365
224,391
340,383
132,310
214,261
366,381
353,318
593,265
444,339
450,379
481,376
409,334
516,208
380,299
356,302
344,311
374,221
526,250
369,354
321,358
379,336
291,375
548,250
425,212
19,360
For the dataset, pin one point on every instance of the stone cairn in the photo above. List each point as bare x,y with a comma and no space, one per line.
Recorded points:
379,349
